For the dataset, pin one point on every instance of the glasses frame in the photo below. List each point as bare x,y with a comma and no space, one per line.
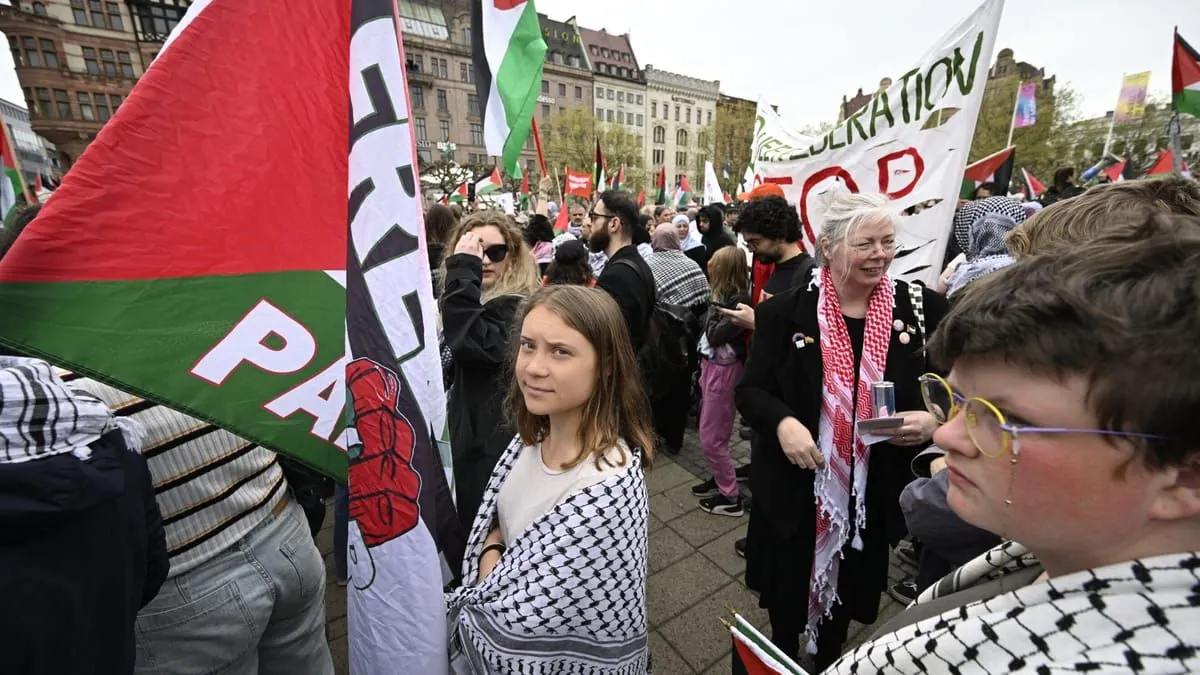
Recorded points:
1010,431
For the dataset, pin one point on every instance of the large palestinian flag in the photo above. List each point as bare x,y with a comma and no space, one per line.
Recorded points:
1185,78
11,183
996,168
508,53
177,263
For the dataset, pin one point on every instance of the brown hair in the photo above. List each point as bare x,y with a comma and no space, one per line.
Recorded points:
1119,310
439,222
1103,209
728,274
617,409
521,277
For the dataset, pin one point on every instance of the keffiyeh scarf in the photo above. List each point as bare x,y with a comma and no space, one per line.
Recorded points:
40,417
846,456
1137,616
569,595
986,252
972,211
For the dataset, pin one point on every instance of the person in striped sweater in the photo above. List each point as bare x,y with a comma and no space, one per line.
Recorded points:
247,584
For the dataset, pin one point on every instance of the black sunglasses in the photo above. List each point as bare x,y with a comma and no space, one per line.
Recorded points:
592,215
496,252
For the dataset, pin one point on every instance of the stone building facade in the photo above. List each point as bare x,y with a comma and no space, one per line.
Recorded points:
680,112
35,154
619,85
77,60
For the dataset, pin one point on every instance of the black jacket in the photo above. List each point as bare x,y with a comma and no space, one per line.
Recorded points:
783,381
717,236
82,549
631,284
478,337
720,330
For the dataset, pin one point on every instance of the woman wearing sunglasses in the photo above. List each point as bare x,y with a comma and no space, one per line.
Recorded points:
826,505
1072,434
487,277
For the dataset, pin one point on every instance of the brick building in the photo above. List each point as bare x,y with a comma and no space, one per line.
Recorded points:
620,85
77,60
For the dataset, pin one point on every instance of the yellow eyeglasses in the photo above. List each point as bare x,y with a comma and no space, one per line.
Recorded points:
987,427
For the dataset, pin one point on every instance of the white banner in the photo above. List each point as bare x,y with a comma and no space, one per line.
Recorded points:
712,188
894,145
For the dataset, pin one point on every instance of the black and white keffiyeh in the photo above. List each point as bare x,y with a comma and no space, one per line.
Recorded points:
1137,616
41,417
569,594
972,211
678,279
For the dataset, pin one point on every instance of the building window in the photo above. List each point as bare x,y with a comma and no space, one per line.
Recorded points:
689,115
443,104
466,72
620,117
90,62
620,97
33,58
45,103
654,110
578,93
49,54
476,133
419,125
466,36
155,21
608,115
126,64
562,90
710,117
611,94
417,95
102,107
639,99
599,92
424,157
77,8
473,105
660,134
599,114
39,9
545,111
441,68
681,138
676,113
641,121
85,106
108,62
545,87
116,102
660,156
680,159
63,104
573,61
444,130
114,16
418,62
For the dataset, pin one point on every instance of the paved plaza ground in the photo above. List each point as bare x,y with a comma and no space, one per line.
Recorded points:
694,574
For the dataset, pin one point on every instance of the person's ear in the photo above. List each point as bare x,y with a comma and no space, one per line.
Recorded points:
1178,495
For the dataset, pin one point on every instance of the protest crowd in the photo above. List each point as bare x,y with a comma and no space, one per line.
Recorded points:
1019,425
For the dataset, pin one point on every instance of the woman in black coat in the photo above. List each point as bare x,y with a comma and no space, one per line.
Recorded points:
806,341
490,273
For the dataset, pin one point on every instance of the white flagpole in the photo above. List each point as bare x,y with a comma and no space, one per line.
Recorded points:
1012,120
1112,123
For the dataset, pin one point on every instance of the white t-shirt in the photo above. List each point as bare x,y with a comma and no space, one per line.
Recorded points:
532,488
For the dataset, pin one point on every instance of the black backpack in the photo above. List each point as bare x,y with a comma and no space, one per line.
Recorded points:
671,336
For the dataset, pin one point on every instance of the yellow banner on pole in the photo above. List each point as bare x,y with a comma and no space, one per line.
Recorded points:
1132,102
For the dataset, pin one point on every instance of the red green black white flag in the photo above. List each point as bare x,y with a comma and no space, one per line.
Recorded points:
1185,78
508,53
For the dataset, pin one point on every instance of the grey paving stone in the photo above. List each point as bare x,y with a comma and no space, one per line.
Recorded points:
673,503
336,628
667,548
665,476
698,634
723,666
341,655
656,523
699,528
720,550
664,658
676,588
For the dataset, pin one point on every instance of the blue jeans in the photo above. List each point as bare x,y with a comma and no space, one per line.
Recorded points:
257,608
341,530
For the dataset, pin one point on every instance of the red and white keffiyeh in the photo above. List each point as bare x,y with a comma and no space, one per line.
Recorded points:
846,456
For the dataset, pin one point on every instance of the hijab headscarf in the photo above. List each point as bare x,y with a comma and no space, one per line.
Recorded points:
986,251
666,238
693,238
973,211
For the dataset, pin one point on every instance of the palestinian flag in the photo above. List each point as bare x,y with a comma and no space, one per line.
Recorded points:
1185,78
509,53
525,193
618,180
1164,164
487,183
562,222
1099,167
641,198
661,184
1034,189
756,654
459,196
598,178
257,311
683,192
995,168
12,183
1121,171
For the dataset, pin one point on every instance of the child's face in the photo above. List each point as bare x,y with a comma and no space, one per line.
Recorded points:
1077,499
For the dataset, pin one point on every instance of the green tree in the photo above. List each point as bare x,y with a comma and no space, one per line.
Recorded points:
1040,148
569,140
733,132
1138,141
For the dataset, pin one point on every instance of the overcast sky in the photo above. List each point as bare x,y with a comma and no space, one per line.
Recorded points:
804,56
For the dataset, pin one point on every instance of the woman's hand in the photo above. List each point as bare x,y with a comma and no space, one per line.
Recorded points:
545,185
918,428
488,561
470,243
742,315
798,444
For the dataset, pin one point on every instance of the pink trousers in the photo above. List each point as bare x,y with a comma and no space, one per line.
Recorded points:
717,414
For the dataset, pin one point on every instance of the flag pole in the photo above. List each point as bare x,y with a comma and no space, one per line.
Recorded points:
1012,119
537,143
1112,123
1176,150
